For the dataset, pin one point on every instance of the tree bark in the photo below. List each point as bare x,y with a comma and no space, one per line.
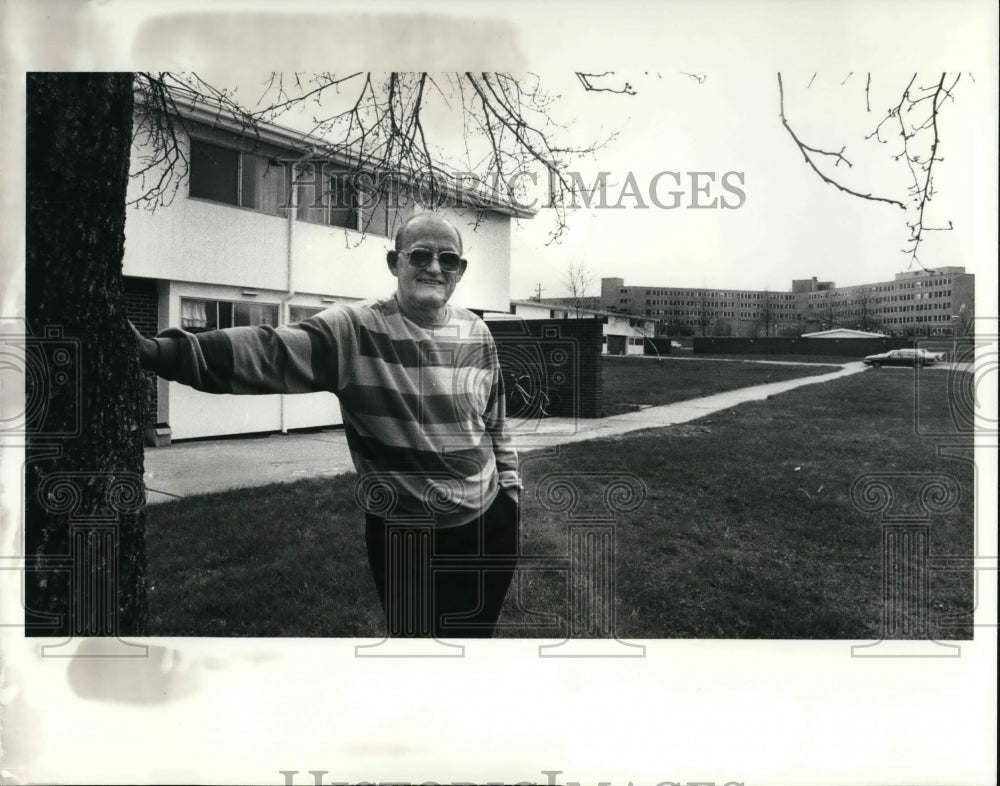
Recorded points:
84,498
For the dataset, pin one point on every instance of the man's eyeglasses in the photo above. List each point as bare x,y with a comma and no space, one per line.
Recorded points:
449,261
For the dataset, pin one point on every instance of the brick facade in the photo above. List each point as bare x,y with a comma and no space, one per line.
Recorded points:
657,346
799,346
562,356
141,306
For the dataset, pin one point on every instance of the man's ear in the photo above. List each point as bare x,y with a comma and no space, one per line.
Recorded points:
392,259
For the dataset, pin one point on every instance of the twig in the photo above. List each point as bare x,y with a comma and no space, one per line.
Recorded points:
806,149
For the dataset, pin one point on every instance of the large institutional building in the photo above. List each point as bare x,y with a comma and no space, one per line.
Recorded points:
914,303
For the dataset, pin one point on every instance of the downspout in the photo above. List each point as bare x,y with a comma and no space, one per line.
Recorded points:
284,310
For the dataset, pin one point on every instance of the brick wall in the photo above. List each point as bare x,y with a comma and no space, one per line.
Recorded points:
799,346
656,346
562,356
141,308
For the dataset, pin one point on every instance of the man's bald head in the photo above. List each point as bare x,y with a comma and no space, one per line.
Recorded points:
414,224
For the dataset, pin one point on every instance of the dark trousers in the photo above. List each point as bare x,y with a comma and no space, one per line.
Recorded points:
449,582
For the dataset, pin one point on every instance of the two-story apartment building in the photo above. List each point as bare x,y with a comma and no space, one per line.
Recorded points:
266,231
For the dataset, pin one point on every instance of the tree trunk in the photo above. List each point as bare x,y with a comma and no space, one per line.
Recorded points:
84,498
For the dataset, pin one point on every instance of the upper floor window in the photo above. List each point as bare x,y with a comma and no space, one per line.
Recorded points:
222,174
324,196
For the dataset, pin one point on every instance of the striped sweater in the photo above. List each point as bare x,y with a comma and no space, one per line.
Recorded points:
423,407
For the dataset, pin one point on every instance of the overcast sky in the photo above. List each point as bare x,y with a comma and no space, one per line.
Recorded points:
704,187
788,223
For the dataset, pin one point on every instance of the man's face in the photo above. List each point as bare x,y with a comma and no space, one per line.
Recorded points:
425,291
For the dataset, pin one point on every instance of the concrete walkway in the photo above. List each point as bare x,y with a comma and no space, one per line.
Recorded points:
216,465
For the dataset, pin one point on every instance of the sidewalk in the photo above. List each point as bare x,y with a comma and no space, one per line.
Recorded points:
203,467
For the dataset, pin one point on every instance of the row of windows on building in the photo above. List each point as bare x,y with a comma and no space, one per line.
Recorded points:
889,287
715,304
881,299
746,295
714,295
839,313
199,315
674,313
932,282
635,341
816,298
911,319
895,309
840,301
324,194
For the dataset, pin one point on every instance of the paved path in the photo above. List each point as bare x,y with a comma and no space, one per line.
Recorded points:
673,356
215,465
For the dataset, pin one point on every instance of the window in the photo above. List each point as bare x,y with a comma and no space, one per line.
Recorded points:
225,175
375,214
198,316
343,201
262,184
250,180
214,172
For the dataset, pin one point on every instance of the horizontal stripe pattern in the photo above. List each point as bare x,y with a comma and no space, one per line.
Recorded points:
417,402
424,380
423,409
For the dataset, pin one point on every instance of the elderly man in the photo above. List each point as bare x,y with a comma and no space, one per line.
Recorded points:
422,400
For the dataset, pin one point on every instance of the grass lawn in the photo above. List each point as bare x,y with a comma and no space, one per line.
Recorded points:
835,359
748,530
630,383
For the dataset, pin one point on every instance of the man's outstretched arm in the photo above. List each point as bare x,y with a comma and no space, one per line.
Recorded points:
299,358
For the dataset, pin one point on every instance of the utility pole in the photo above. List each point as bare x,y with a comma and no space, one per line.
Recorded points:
538,292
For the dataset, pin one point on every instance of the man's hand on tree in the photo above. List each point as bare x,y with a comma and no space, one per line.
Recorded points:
149,350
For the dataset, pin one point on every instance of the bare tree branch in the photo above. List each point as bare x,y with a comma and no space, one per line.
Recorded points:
911,127
587,80
372,123
919,149
806,150
923,191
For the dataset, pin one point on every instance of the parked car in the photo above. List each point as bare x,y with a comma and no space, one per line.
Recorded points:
903,357
676,345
